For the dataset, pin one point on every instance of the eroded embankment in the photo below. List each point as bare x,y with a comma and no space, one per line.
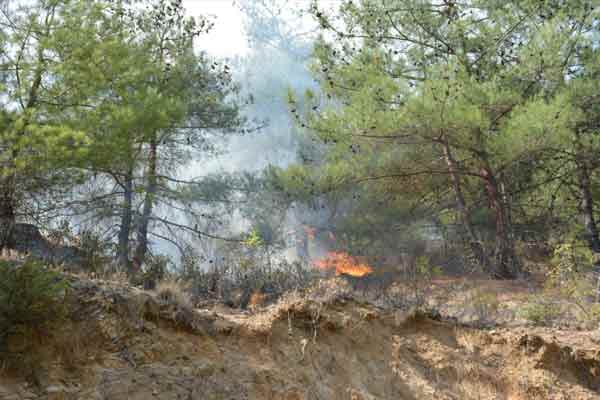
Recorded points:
126,344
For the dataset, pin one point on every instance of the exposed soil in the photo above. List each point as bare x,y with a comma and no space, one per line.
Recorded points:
123,343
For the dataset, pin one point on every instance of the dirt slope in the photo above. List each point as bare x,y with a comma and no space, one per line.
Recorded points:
126,344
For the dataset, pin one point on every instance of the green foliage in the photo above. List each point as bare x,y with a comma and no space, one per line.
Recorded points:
570,260
571,289
571,277
417,278
569,272
31,303
470,111
254,239
30,296
485,305
107,88
541,311
95,251
424,269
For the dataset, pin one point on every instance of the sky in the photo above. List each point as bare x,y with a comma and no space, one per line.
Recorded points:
268,85
228,37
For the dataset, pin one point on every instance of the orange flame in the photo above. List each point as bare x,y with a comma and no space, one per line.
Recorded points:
343,263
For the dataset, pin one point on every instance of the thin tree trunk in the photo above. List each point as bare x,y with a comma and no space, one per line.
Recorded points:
302,244
142,233
506,264
7,213
151,185
587,201
126,221
589,222
8,195
474,242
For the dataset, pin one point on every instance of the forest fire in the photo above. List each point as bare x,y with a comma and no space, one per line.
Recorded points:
343,263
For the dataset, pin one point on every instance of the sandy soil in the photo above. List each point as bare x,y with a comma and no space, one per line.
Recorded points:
124,344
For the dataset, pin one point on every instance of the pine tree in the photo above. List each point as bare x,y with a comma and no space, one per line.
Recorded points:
443,97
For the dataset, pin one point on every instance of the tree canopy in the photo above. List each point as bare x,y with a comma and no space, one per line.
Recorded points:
477,115
471,123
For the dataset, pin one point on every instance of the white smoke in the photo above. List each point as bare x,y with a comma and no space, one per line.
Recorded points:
268,44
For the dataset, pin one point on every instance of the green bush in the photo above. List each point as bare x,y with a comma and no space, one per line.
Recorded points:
571,276
31,300
94,251
485,305
540,311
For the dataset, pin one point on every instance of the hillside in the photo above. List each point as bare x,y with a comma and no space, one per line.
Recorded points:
124,343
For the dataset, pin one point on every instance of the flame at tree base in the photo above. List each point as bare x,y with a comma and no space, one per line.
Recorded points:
343,263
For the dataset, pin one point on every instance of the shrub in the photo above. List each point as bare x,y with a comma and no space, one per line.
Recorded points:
31,302
540,311
171,292
234,284
572,276
155,269
485,305
94,251
418,274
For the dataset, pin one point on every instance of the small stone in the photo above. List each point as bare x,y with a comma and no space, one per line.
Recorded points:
28,396
8,393
54,389
55,392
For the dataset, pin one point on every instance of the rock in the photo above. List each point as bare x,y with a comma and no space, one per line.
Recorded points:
595,336
7,393
224,327
401,317
27,394
204,369
56,392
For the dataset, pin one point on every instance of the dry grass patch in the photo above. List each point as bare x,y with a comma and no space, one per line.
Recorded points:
174,293
474,383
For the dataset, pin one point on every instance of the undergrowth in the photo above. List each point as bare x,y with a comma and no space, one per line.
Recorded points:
32,299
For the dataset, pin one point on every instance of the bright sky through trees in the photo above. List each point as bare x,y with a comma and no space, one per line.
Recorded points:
227,38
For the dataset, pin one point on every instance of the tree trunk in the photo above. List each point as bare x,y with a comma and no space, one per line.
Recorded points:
8,199
506,264
7,213
587,202
589,222
302,244
126,221
142,233
474,243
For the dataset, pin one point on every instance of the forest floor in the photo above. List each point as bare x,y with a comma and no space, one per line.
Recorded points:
124,343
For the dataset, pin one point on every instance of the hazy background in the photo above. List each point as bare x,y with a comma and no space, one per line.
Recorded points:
267,44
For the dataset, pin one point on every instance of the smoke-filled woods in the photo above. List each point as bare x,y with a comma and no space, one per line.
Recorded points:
299,199
270,141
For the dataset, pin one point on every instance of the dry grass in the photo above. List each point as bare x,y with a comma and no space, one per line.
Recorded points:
173,292
257,299
473,383
316,338
77,344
